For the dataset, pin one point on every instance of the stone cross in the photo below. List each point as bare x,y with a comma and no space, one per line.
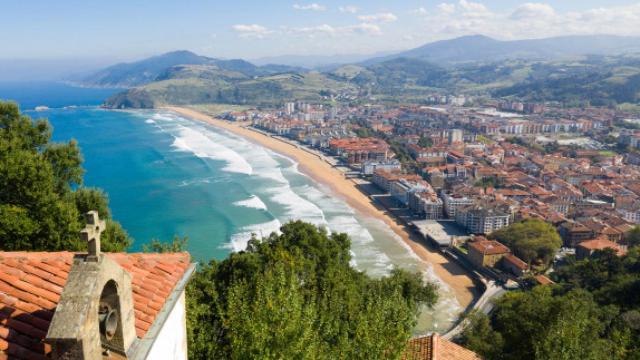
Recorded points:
91,234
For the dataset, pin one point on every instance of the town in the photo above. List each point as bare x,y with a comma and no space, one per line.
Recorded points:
458,172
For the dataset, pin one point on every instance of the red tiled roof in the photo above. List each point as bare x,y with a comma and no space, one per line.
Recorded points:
516,261
601,244
31,284
434,347
489,247
543,280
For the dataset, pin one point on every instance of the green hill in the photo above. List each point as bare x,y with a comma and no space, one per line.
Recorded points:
204,84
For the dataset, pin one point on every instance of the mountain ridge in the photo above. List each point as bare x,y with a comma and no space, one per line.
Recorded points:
480,48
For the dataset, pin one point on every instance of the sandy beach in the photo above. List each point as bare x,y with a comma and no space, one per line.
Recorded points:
450,272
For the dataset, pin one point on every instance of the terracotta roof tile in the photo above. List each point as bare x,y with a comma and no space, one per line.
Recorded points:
31,284
433,347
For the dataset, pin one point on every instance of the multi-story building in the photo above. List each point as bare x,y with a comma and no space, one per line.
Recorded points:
455,136
452,203
358,150
426,204
482,220
403,189
383,179
370,167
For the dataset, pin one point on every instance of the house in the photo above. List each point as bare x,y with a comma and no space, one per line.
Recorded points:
543,280
514,265
434,347
63,305
486,252
586,248
573,233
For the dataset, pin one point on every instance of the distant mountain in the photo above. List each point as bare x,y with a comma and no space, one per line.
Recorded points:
148,70
319,62
572,70
478,48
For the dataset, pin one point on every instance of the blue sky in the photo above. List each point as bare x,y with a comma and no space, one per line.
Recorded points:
130,29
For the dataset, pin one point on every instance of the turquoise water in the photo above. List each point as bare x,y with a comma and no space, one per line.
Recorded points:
168,175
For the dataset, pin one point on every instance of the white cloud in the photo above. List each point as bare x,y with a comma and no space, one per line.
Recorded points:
472,6
333,31
533,10
447,8
348,9
365,28
251,31
528,20
311,7
379,18
420,11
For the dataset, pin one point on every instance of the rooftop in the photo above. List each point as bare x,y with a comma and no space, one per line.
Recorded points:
489,247
433,347
31,284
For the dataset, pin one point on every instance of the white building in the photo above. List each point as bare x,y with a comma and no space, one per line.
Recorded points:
452,203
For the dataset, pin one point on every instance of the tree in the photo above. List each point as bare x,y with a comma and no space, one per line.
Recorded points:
531,240
425,142
479,336
178,244
39,208
632,238
295,296
539,325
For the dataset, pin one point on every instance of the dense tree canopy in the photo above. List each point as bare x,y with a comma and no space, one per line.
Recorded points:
295,296
592,313
531,240
41,201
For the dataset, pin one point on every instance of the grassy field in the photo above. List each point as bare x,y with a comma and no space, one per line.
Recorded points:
218,109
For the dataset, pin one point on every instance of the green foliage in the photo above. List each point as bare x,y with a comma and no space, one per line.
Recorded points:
425,142
632,238
295,296
531,240
479,336
592,313
178,244
538,325
39,210
489,182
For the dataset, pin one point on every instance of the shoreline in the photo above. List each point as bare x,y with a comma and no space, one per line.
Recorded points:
451,273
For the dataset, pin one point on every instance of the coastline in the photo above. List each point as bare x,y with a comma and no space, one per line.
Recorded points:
448,271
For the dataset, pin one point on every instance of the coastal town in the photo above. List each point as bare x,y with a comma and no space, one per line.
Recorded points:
320,180
457,173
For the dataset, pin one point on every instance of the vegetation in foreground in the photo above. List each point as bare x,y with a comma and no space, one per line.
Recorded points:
593,312
295,296
42,200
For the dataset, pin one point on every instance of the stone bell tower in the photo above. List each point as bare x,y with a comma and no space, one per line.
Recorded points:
94,318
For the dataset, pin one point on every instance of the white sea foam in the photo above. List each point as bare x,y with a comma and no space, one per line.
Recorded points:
150,121
165,117
240,240
191,140
254,202
297,208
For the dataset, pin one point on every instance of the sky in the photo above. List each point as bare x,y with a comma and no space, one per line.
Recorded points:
250,29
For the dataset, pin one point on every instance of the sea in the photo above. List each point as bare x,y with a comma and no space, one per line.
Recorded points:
169,175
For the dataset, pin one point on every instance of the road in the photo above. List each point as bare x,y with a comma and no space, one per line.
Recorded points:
484,304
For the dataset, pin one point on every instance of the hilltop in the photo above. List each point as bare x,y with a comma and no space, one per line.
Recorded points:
568,69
